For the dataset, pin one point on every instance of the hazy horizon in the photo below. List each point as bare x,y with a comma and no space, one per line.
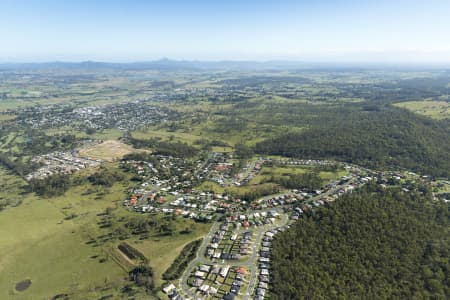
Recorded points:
135,31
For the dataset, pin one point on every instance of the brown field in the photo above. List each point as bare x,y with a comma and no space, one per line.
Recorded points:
108,150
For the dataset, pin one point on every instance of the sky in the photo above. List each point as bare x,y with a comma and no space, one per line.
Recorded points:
314,30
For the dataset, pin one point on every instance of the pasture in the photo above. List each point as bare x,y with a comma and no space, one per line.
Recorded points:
36,243
434,109
45,241
162,251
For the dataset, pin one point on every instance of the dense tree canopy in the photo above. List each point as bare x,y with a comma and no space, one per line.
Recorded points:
106,177
177,149
310,181
376,138
367,245
55,185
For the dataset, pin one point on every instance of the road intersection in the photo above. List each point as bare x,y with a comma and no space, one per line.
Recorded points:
251,262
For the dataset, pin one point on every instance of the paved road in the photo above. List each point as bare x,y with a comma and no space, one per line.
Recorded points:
254,259
251,262
199,259
144,197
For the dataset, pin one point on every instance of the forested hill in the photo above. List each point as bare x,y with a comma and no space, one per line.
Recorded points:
374,137
367,245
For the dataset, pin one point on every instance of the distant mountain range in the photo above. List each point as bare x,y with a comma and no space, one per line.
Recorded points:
169,64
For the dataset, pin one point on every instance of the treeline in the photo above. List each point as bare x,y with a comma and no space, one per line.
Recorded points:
253,192
181,262
15,166
58,184
378,139
176,149
142,156
243,151
143,276
50,186
131,252
105,177
146,225
372,244
208,144
37,142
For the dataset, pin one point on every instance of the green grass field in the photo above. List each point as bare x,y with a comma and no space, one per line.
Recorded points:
37,243
165,135
10,188
267,172
434,109
162,251
211,130
106,134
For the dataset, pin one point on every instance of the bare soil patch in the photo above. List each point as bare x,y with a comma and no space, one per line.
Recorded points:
109,151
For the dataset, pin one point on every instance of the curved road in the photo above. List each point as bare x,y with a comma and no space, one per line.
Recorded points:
250,263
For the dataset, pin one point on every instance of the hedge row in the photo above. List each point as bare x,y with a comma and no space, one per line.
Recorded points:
131,252
179,265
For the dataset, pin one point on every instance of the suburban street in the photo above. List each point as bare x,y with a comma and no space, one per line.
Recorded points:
250,263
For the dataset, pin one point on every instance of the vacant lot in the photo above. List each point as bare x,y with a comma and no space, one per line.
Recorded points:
284,171
162,251
108,150
435,109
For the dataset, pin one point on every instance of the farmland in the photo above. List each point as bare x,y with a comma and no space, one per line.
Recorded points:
36,243
435,109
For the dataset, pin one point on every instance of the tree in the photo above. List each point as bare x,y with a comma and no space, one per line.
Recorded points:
370,244
143,276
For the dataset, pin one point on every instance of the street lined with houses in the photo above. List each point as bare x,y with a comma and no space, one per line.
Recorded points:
234,259
256,264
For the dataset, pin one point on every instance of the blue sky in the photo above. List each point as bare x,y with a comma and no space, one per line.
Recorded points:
315,30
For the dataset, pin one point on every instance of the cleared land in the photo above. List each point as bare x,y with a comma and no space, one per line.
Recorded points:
269,172
434,109
162,251
40,243
108,150
165,135
7,117
35,245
